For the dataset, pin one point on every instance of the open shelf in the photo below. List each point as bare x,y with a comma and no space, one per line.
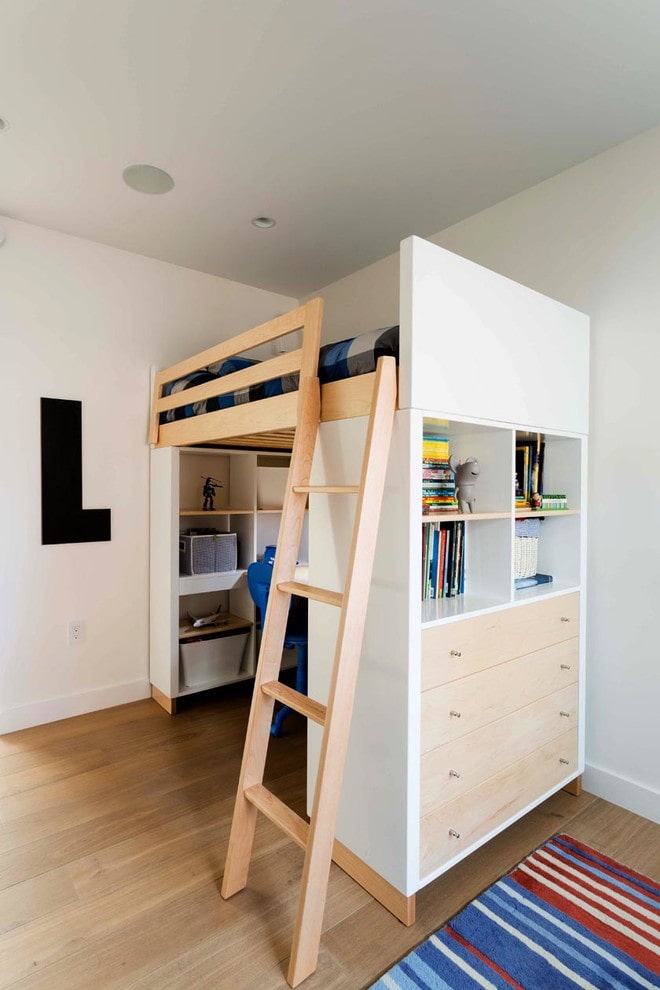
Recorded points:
194,584
435,610
540,513
207,685
215,512
228,624
545,591
464,516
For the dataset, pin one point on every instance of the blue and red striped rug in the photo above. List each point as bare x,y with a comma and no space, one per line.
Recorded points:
566,917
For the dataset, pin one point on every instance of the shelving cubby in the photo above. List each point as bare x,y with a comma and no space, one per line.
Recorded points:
561,531
488,529
177,479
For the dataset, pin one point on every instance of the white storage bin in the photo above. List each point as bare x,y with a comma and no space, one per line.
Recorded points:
212,659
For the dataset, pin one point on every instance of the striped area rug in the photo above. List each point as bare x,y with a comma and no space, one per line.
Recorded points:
566,917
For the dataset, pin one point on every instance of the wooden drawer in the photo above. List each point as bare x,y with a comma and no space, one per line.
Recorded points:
450,770
457,649
454,709
494,802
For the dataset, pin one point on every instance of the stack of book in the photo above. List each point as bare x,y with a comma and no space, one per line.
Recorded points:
438,487
443,559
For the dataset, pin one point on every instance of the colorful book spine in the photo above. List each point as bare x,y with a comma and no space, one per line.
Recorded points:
443,559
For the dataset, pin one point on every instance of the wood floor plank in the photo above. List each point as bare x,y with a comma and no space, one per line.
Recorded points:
36,898
113,845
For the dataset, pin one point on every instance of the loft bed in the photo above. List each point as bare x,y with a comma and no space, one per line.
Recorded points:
218,397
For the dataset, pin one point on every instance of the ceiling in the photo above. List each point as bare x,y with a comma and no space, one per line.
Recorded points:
353,122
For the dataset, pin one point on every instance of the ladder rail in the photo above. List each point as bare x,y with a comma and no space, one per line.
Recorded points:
327,792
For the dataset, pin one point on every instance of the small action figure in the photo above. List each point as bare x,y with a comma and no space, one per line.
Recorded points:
208,492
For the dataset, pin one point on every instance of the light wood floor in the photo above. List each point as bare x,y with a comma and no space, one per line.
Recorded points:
113,829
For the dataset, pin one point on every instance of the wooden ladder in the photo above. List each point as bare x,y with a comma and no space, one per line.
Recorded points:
317,837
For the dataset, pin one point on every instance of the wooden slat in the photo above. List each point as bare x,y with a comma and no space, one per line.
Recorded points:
278,327
279,412
167,704
264,371
347,398
294,699
152,436
279,814
328,489
309,591
228,623
282,440
313,317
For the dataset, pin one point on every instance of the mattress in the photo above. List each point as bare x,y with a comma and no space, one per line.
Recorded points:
344,359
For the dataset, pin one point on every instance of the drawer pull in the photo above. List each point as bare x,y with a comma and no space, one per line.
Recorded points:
565,714
455,653
562,760
564,666
454,773
565,618
454,714
454,834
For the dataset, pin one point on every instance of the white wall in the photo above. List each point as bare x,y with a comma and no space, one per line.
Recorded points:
82,321
589,237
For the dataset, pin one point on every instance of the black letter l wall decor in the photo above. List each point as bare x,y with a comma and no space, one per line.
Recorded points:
63,519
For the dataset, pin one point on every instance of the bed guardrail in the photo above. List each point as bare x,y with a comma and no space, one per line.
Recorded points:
281,412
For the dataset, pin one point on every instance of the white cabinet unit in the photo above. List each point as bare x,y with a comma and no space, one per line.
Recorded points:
185,660
469,709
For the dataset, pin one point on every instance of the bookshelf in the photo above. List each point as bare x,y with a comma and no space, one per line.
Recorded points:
249,503
490,532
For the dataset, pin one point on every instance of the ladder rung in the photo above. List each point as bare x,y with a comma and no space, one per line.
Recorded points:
294,699
291,824
309,591
326,489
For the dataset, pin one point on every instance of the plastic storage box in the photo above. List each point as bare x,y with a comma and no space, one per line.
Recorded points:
207,554
212,659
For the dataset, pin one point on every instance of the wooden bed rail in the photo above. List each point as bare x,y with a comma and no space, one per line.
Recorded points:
304,360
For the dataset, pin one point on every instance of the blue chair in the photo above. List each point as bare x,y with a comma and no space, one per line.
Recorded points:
259,576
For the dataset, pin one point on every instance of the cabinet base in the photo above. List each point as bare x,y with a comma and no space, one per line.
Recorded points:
167,704
575,787
393,900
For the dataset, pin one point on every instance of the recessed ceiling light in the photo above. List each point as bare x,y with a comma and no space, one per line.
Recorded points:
4,124
148,179
263,222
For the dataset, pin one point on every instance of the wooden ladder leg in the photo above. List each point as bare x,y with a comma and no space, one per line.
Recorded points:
272,641
318,855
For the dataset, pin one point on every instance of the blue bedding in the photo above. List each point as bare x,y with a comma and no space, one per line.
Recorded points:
345,359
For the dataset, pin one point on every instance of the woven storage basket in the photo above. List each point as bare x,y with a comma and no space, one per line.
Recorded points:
208,554
526,548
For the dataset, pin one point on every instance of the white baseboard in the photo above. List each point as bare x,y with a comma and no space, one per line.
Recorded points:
629,794
54,709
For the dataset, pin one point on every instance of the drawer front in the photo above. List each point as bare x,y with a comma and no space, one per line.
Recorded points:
447,831
450,770
457,649
454,709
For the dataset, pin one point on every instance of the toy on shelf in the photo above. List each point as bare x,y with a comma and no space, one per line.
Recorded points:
208,491
466,474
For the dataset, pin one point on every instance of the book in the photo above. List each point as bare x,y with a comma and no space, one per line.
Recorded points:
533,581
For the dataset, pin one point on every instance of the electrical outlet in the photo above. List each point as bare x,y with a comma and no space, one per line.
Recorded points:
76,631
